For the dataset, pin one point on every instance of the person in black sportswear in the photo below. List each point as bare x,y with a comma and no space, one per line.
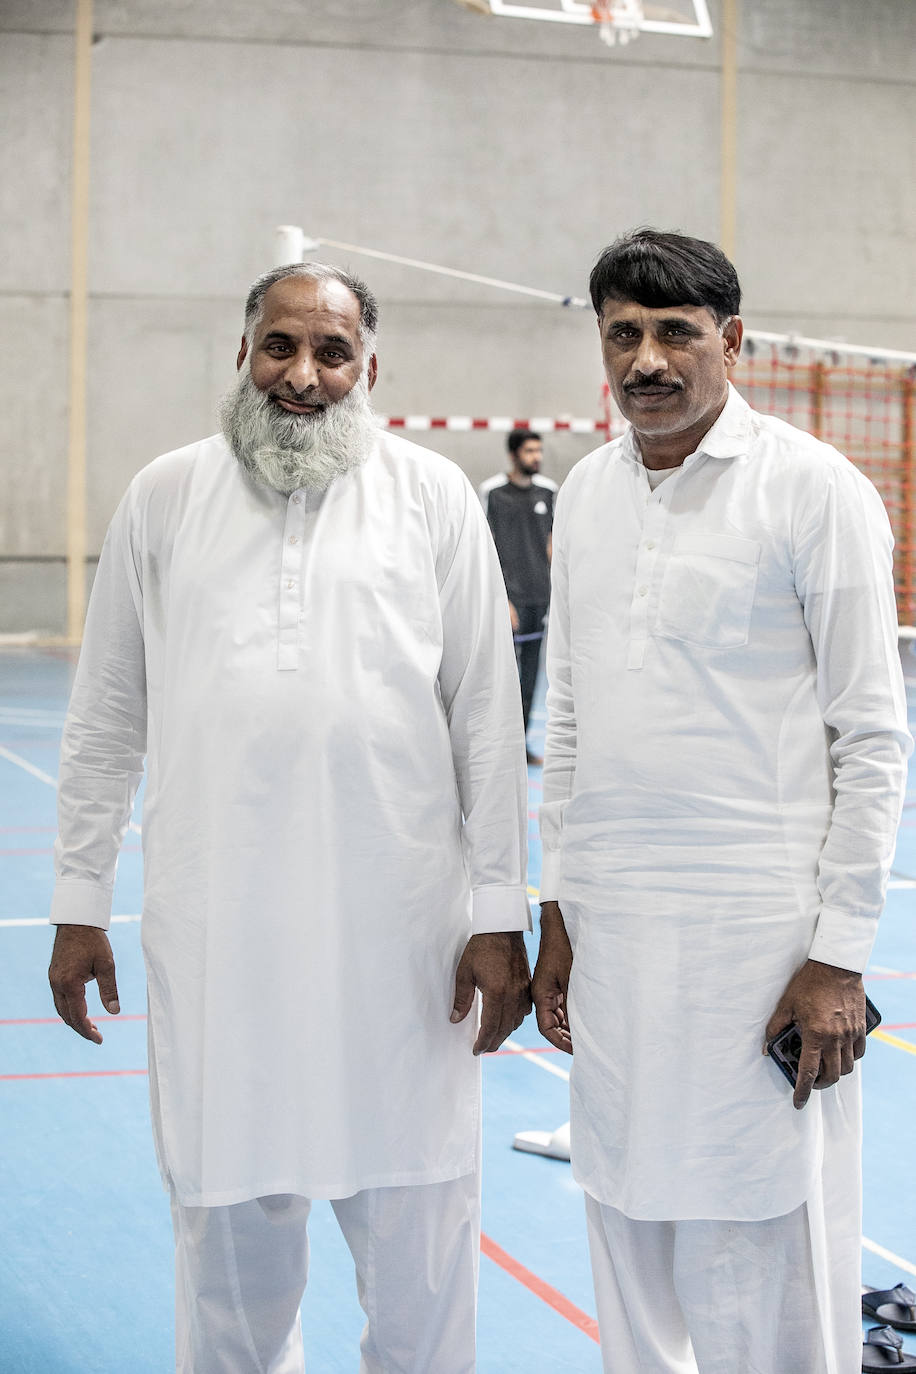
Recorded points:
519,509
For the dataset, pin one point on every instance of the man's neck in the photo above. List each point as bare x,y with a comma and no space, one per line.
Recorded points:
519,479
670,450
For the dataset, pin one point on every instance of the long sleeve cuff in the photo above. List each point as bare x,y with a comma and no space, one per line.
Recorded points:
843,940
500,908
81,902
550,875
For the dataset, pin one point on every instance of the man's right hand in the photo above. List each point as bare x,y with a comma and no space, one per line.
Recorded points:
513,618
81,954
551,978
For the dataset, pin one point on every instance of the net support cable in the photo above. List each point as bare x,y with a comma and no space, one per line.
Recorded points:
292,243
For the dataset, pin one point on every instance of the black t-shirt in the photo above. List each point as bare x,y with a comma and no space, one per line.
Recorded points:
521,519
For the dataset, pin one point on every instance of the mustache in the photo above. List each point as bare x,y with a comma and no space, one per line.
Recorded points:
657,379
311,396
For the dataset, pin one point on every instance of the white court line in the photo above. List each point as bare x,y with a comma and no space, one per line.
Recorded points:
33,712
31,722
538,1059
46,777
901,882
43,920
29,767
888,1255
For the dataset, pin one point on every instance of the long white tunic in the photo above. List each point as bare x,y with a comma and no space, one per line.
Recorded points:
724,772
335,800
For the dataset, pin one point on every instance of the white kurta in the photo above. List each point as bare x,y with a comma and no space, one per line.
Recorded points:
336,799
725,764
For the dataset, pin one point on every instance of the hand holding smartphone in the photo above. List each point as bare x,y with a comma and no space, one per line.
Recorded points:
785,1048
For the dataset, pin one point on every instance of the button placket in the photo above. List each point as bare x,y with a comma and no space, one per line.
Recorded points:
291,569
644,579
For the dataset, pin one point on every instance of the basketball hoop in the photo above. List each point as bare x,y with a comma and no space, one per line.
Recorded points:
618,21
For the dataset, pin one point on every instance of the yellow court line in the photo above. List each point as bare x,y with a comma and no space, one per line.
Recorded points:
894,1040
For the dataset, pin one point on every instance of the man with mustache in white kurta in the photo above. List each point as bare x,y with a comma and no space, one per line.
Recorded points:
302,623
724,771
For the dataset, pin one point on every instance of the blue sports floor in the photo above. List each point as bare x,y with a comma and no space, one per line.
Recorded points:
85,1259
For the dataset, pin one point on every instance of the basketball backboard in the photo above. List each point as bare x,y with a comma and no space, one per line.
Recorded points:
683,18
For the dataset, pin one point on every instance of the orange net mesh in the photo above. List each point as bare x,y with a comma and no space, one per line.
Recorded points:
867,411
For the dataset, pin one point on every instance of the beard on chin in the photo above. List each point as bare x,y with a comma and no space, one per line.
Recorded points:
287,451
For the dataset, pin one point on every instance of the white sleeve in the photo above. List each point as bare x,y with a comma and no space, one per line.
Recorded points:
104,739
844,580
560,747
478,682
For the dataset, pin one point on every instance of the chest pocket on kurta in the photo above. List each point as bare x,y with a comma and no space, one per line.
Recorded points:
707,590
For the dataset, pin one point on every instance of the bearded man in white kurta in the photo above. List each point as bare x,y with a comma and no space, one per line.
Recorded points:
725,763
302,623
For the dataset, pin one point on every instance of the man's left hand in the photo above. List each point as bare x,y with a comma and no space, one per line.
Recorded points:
828,1006
498,965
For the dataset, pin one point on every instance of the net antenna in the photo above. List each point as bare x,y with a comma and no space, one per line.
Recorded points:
617,21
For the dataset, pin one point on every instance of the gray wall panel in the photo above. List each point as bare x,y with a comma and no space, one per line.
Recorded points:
828,219
158,368
33,436
873,41
36,99
208,158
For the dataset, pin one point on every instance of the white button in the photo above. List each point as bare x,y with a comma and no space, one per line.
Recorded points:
293,539
643,591
651,544
297,500
290,584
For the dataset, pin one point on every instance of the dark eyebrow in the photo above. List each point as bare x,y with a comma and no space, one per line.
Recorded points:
281,336
682,322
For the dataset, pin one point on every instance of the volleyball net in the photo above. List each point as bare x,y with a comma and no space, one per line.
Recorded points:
865,406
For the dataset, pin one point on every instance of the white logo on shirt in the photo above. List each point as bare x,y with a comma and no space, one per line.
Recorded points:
540,508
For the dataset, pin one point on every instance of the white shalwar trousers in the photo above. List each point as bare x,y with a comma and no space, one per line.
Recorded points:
777,1296
241,1271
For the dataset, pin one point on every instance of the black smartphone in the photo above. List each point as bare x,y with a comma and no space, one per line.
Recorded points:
785,1048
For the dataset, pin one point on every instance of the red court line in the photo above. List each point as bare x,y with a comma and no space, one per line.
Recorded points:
21,853
885,977
899,1025
81,1073
540,1289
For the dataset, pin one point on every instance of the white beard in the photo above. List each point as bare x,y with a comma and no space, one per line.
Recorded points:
287,451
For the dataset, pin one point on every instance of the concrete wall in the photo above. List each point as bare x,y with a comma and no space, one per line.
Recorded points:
512,149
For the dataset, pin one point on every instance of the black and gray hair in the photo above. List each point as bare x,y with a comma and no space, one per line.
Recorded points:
658,269
315,271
